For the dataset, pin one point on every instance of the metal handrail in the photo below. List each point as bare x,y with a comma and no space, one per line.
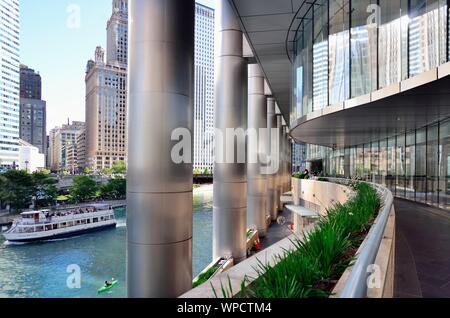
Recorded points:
356,284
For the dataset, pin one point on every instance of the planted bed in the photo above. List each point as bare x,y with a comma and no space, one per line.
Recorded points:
315,264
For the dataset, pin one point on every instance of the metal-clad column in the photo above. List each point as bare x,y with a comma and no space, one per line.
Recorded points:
257,149
290,145
284,158
159,198
271,179
279,177
230,178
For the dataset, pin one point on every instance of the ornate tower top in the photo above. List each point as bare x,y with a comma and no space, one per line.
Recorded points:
120,7
99,55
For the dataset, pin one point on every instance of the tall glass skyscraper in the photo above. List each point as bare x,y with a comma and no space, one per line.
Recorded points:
204,88
9,83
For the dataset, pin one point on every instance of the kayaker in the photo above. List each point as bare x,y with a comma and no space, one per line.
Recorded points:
107,284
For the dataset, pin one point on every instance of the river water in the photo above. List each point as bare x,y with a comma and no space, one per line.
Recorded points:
40,270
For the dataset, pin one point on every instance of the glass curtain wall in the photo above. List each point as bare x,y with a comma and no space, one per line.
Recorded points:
415,165
363,44
349,48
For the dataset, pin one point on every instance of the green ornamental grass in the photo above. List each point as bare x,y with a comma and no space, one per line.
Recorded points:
323,256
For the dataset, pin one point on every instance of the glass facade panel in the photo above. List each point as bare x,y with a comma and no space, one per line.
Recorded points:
400,166
375,162
383,161
303,68
392,42
391,172
367,162
353,162
444,166
363,45
421,165
432,164
410,158
424,35
320,55
360,161
339,51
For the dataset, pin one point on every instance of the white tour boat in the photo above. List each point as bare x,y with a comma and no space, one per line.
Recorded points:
46,225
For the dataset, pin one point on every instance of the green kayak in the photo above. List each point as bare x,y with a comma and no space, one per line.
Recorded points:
107,288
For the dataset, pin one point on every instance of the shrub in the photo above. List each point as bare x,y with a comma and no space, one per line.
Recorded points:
204,277
299,175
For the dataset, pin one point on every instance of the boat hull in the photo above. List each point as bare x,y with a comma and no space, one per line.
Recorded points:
60,236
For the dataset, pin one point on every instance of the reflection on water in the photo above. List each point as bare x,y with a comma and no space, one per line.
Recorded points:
39,270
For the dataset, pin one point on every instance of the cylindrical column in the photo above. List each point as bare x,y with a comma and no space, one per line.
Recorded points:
257,151
286,160
283,159
230,173
271,178
279,177
159,195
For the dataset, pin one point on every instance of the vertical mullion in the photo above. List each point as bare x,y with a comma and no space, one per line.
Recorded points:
407,40
328,51
415,165
438,161
426,164
349,48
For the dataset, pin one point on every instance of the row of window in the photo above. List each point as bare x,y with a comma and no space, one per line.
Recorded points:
346,49
414,165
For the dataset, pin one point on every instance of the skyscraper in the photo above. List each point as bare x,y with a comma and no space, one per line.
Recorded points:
33,114
204,88
30,83
106,95
9,83
60,139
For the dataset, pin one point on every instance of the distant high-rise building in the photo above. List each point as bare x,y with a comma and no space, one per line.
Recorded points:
33,113
204,88
60,139
106,95
9,83
30,83
299,157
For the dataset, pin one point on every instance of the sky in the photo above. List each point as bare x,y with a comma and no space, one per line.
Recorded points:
58,37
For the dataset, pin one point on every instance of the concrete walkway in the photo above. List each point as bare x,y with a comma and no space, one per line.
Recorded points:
278,230
422,251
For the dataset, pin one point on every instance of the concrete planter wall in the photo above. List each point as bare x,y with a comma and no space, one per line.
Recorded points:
319,196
